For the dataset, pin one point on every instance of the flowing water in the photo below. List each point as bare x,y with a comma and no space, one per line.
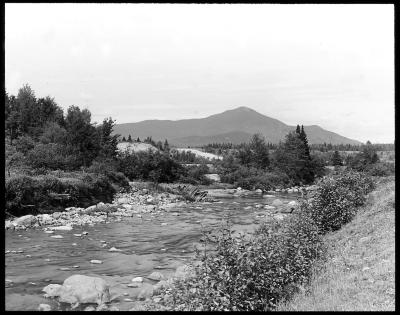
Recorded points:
150,243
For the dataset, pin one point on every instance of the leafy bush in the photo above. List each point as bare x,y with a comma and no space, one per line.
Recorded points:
26,194
53,156
336,200
154,166
243,274
24,144
258,271
381,169
195,175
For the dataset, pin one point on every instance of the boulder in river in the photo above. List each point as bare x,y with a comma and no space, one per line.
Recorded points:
96,261
277,203
52,290
26,220
293,204
137,279
156,276
44,307
9,225
61,228
81,289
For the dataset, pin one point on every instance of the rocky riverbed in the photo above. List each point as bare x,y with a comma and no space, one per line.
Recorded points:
84,247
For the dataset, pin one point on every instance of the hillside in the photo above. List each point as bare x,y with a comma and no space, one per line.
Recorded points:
360,272
202,154
236,126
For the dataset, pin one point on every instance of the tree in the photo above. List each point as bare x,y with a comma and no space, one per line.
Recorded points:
336,159
303,137
123,139
291,158
108,142
166,146
260,153
137,140
298,129
129,138
81,134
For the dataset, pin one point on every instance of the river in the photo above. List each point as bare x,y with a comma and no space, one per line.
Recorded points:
150,243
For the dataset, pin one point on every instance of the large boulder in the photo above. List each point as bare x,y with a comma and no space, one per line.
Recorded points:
277,203
45,218
156,276
79,289
9,225
26,220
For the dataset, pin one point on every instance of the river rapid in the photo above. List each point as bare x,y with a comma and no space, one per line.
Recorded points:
151,243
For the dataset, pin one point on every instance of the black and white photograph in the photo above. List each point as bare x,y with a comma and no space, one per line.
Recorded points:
199,157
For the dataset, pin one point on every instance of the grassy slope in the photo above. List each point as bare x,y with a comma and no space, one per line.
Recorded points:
359,274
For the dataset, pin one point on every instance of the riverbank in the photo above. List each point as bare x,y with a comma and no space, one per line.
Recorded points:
360,272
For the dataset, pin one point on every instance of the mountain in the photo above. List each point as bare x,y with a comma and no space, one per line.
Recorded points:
236,126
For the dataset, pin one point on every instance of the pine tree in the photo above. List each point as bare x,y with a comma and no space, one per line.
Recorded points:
123,139
336,159
303,137
129,138
166,145
137,140
298,129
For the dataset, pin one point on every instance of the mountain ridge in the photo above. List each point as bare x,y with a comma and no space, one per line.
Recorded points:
236,125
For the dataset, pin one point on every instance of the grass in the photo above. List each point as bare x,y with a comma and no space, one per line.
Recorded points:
359,274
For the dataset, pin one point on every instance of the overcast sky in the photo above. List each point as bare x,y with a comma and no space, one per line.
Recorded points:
326,65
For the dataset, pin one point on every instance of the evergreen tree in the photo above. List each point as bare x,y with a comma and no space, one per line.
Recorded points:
166,145
123,139
129,138
303,137
298,129
137,140
336,159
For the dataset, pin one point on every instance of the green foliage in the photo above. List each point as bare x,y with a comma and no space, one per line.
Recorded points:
292,158
195,175
258,271
53,133
336,159
381,169
243,274
27,194
154,166
53,156
23,144
337,198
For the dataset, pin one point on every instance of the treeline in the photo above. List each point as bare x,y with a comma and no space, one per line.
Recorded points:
252,166
159,145
221,148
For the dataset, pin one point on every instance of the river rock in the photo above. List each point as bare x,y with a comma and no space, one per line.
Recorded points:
57,236
268,196
146,292
44,307
277,203
258,191
156,276
46,218
95,261
56,215
52,290
84,289
9,225
137,279
89,308
61,228
268,207
113,249
239,188
293,204
26,220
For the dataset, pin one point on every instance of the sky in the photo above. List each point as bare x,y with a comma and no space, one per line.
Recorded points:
330,65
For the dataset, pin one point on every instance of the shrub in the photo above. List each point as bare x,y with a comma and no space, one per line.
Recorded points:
243,274
53,156
257,272
336,200
26,194
381,169
24,144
